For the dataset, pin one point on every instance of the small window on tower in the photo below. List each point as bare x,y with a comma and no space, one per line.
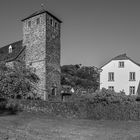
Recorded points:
10,49
51,22
38,21
56,25
29,23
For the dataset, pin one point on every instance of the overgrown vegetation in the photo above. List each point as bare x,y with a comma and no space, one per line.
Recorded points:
16,81
80,76
104,104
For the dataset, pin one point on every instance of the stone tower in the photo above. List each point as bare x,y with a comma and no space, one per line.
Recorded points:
41,36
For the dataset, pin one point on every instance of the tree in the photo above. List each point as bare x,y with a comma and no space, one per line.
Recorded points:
81,76
17,80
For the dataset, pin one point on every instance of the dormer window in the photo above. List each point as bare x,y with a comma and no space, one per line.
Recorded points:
121,64
10,49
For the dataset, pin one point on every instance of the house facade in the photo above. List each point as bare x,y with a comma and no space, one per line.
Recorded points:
40,49
121,74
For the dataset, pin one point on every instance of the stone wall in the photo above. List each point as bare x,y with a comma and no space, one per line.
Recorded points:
34,38
42,43
53,55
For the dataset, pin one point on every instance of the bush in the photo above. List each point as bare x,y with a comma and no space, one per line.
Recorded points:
13,106
106,104
138,98
103,104
109,96
3,103
17,81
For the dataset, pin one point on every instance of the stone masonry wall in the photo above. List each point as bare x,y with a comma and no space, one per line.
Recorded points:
53,55
42,43
34,38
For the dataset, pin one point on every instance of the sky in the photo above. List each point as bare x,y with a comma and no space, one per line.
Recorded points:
92,32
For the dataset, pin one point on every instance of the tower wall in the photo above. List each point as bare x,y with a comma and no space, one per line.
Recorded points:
53,54
34,38
42,41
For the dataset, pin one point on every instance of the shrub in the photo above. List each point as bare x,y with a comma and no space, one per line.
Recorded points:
3,103
17,80
103,104
107,96
138,98
13,106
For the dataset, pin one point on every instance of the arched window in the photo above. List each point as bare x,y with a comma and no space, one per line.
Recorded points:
10,49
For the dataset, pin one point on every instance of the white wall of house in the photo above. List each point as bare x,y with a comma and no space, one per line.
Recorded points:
121,76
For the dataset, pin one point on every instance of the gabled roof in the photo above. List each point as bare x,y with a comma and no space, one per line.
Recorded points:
121,57
41,12
17,49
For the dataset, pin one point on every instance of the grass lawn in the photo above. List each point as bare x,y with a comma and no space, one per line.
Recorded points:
29,126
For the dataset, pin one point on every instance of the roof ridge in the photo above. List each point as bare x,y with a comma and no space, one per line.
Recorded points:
6,56
121,57
14,58
11,43
41,11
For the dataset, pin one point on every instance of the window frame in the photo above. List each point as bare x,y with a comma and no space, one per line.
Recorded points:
121,64
110,76
56,25
51,21
132,90
111,88
132,76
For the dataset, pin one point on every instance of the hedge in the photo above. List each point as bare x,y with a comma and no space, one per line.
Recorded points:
63,109
84,110
104,104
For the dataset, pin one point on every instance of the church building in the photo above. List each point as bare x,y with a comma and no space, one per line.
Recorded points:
40,49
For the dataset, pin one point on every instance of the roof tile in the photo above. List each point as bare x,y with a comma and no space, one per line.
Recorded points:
16,50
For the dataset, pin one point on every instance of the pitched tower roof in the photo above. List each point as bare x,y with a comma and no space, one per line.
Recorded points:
41,12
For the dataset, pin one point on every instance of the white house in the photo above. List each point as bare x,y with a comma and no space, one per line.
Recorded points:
121,74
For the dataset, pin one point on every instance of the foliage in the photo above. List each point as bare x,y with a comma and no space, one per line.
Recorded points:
84,108
16,81
104,104
3,103
80,76
13,106
106,96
